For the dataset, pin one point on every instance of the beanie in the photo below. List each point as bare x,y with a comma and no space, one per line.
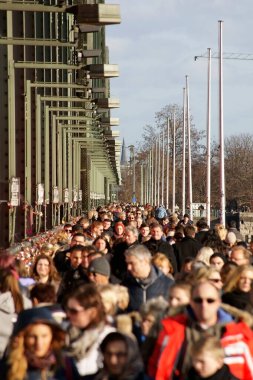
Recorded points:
100,266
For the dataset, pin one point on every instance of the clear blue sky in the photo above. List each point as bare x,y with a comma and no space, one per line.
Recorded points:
155,47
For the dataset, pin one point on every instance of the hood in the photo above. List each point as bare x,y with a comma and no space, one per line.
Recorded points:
7,303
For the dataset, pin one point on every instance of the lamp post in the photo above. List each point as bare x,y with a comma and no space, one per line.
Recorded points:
132,160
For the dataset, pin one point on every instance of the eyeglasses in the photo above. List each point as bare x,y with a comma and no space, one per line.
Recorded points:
200,300
216,280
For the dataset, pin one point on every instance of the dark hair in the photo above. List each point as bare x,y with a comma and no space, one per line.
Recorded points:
107,245
144,225
88,296
77,247
43,293
189,231
201,223
78,233
242,243
113,337
77,228
232,224
220,255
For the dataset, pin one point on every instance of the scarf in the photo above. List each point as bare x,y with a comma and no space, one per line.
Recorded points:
40,363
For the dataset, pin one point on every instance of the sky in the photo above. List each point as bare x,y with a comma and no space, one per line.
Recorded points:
155,46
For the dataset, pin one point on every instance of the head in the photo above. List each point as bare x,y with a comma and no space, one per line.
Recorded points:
179,294
43,293
107,224
84,307
156,231
131,235
43,268
240,255
97,228
207,356
138,260
163,263
204,255
152,311
87,255
217,260
119,228
221,231
68,228
205,302
240,279
9,283
78,239
202,224
102,244
75,256
99,271
144,230
230,239
189,231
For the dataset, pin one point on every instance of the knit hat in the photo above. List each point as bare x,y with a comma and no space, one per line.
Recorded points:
100,266
35,315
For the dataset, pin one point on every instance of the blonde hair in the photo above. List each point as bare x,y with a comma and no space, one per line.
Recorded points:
234,276
221,231
159,259
210,344
204,255
113,297
201,274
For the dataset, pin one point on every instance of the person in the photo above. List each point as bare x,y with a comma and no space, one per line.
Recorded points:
157,244
189,246
121,359
163,263
204,255
103,246
203,229
203,317
238,287
232,228
144,233
118,233
186,221
44,271
218,260
85,310
144,280
99,271
180,293
107,225
35,349
118,262
240,255
207,357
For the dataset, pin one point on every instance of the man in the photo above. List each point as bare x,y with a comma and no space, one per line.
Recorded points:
107,225
75,275
61,260
232,228
144,233
118,262
157,244
96,230
186,221
144,280
99,271
203,317
203,230
188,246
240,255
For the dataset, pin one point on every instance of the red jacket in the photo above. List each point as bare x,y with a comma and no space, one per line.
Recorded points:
237,342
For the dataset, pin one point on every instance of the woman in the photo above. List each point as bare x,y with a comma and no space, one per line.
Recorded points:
88,327
118,233
217,260
44,271
238,286
35,349
103,246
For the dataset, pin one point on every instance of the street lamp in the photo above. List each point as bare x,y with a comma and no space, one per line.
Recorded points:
132,163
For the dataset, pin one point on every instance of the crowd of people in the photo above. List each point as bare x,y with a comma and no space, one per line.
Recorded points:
128,292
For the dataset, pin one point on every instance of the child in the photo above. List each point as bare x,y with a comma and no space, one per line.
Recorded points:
208,361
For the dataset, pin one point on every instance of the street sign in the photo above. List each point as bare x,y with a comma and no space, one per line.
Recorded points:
15,191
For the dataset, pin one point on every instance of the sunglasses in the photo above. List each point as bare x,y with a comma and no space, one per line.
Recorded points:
216,280
200,300
73,311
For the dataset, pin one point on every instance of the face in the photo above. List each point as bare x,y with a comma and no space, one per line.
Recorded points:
115,357
165,268
144,231
76,240
78,315
85,259
98,230
138,268
206,364
239,258
130,238
75,258
245,281
217,263
119,229
178,297
43,268
38,339
106,224
100,245
156,233
98,278
205,303
147,323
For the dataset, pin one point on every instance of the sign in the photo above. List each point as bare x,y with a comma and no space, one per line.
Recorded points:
55,195
15,191
40,193
66,195
75,195
80,195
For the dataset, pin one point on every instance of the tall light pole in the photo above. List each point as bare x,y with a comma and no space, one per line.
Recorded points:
132,158
183,160
189,148
168,164
221,129
208,150
162,200
174,164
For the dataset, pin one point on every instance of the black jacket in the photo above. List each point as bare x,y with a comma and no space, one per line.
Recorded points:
222,374
162,246
187,247
157,284
118,262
